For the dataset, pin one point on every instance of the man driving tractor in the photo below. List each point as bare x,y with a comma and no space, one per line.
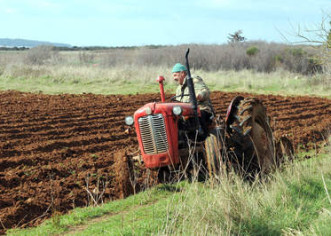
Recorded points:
179,73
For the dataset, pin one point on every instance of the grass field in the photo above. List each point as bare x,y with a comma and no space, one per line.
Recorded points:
293,201
134,79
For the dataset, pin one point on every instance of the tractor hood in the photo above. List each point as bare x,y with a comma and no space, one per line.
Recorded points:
164,108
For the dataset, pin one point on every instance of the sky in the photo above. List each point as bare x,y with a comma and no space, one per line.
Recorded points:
157,22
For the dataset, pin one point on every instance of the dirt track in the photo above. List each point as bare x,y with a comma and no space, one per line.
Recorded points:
53,147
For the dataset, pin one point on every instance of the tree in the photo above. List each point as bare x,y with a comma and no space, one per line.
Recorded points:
320,37
329,38
236,37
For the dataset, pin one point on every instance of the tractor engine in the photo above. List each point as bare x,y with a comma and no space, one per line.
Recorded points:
159,131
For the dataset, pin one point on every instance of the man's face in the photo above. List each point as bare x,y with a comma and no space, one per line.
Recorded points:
179,77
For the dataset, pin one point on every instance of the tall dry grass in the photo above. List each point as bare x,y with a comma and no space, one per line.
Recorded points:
293,201
120,80
224,67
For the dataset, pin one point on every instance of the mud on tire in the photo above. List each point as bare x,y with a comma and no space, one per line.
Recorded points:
251,137
123,171
213,156
284,150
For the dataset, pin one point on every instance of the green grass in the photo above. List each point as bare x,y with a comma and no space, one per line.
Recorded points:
278,82
133,79
292,201
80,79
127,216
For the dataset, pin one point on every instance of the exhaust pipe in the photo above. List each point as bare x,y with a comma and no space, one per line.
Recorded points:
193,98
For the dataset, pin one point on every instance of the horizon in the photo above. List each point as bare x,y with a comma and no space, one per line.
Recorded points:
127,23
63,44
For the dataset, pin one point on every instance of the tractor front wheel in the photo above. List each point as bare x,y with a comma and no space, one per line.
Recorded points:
213,156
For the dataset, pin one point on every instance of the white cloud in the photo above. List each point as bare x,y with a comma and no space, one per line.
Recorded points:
43,5
10,10
29,7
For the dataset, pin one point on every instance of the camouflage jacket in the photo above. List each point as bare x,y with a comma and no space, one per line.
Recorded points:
183,94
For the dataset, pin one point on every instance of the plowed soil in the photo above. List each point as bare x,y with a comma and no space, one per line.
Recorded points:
57,152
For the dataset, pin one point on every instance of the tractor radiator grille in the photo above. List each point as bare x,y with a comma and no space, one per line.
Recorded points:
153,134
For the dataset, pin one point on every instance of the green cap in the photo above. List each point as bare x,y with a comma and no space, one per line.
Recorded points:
178,67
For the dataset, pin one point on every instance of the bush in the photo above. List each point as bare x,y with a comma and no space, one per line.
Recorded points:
252,55
258,56
252,51
296,52
315,65
39,55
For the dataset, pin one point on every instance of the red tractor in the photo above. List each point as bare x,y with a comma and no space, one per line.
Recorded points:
170,140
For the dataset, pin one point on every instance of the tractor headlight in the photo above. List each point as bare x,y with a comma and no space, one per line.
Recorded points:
177,110
129,120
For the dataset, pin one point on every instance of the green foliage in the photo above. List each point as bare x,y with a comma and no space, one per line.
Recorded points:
251,51
296,52
278,59
315,65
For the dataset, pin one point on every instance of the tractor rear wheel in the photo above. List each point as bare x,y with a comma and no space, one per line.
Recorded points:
252,138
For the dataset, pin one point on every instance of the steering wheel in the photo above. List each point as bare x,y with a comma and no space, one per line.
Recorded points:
172,99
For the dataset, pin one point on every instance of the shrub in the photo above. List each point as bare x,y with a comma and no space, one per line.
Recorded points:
252,51
252,55
297,52
39,55
315,65
279,58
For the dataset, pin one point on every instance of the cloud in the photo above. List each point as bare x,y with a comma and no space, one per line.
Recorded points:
262,5
29,8
10,10
40,5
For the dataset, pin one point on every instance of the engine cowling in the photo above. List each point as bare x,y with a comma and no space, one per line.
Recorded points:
156,126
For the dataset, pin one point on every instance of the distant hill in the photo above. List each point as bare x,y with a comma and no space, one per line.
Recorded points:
5,42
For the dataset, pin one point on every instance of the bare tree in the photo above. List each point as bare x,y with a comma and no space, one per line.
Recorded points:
320,37
40,55
236,37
